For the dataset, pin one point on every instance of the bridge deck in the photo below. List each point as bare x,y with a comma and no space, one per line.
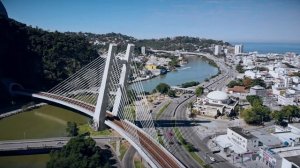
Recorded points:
163,158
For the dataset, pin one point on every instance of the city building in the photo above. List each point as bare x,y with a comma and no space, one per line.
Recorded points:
237,89
217,50
258,91
238,49
286,99
151,67
143,50
243,139
214,104
217,97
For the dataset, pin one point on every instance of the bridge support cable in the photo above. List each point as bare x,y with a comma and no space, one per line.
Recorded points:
123,78
82,85
146,116
124,106
123,112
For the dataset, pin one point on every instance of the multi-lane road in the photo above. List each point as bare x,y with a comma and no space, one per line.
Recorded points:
176,115
166,124
58,142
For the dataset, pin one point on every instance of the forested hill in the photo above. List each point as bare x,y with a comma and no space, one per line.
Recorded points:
39,59
175,43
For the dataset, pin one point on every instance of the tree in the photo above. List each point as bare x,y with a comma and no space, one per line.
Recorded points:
259,82
199,91
189,84
163,88
239,68
253,98
171,93
233,83
247,82
79,152
257,114
72,129
290,112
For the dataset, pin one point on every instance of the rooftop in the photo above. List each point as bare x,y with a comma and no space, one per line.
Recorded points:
239,89
257,87
217,95
244,133
267,139
294,159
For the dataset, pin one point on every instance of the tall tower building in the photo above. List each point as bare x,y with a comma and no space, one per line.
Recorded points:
143,50
238,49
217,50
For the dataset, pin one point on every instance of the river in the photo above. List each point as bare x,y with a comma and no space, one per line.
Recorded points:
43,122
197,69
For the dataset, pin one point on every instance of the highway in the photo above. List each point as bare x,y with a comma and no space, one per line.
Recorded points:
45,143
166,124
177,111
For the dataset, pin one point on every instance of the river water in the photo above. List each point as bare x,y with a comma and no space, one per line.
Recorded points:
197,69
44,122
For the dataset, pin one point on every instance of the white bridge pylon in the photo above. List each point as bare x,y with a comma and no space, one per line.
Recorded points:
102,101
103,83
100,89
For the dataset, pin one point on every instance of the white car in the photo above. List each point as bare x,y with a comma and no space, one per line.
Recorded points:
212,159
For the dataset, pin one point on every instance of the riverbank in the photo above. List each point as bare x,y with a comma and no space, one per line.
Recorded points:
25,108
197,69
183,67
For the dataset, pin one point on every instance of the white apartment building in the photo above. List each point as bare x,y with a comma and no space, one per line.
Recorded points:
217,50
238,49
143,50
243,139
286,99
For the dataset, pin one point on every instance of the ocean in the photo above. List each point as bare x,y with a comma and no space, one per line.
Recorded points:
265,48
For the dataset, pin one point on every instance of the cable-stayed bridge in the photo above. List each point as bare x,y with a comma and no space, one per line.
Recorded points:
100,90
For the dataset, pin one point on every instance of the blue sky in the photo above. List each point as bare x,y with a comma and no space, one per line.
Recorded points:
229,20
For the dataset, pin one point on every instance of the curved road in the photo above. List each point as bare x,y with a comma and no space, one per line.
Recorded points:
128,157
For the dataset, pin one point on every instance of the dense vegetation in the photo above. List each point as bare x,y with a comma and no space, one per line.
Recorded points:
247,82
253,98
287,112
177,43
189,84
180,43
199,91
80,152
257,114
35,58
39,59
239,68
163,88
72,129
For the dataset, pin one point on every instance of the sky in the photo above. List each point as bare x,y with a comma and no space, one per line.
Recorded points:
228,20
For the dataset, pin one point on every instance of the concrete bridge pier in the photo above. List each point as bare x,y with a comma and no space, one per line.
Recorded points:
102,100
